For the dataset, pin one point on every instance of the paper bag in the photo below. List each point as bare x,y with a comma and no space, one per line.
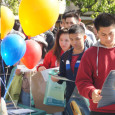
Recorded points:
38,86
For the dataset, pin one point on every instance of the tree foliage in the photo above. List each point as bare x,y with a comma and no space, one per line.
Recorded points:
96,6
12,4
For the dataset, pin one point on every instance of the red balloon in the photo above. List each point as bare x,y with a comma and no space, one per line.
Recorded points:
32,55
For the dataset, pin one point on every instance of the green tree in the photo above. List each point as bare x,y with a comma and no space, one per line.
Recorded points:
96,6
12,4
84,5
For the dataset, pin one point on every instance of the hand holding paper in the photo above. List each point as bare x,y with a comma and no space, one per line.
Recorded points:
96,97
42,68
54,79
60,78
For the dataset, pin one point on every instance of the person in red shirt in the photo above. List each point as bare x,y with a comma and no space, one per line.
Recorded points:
96,63
52,58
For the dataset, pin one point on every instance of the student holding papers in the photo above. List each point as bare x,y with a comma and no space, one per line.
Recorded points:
96,64
52,58
69,64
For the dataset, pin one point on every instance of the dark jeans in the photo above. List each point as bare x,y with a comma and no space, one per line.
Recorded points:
100,113
25,98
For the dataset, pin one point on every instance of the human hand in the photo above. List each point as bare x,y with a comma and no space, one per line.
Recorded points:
54,79
41,68
96,97
18,72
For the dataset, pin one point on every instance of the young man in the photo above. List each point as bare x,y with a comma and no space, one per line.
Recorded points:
72,18
96,64
69,65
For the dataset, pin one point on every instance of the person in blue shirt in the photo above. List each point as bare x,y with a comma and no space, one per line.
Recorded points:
69,64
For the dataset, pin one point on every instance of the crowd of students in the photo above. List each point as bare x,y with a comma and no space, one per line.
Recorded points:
81,56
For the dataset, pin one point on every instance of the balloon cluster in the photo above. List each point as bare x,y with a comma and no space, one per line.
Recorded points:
36,17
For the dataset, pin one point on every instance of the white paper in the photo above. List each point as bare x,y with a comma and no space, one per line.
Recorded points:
20,111
45,73
23,68
108,90
61,78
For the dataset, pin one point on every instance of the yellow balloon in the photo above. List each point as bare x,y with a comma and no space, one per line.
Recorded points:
37,16
7,21
0,26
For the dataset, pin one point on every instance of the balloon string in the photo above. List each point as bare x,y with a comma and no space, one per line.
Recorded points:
30,90
5,82
8,93
6,74
3,72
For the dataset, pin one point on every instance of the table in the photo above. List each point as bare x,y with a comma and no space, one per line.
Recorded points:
38,111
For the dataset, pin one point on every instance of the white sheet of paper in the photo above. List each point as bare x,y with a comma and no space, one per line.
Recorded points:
61,78
20,111
108,90
25,69
45,73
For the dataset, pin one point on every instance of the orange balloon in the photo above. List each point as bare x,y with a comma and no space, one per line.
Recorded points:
38,16
32,55
7,21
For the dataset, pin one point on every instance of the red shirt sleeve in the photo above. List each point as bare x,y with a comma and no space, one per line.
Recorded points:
47,60
84,81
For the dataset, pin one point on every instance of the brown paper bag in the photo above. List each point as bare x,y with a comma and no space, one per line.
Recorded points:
38,86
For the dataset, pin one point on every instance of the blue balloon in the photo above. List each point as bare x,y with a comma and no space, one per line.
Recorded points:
13,48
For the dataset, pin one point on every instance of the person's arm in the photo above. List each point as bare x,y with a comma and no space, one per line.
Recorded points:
54,79
41,68
62,69
96,97
84,81
18,71
46,63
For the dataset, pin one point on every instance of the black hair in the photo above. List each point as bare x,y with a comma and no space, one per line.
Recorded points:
44,51
57,49
63,16
74,29
104,20
16,25
72,14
